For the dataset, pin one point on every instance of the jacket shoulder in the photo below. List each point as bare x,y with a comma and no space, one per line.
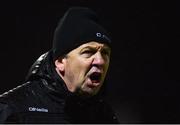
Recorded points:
16,100
19,96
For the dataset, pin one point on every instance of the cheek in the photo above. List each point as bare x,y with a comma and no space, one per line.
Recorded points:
105,70
106,66
82,65
78,68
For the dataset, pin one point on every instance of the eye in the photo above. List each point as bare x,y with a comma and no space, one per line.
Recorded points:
87,53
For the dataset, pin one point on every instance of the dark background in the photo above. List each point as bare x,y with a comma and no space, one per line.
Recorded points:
144,72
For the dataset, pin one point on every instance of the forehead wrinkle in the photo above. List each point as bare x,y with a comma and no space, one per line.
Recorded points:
97,47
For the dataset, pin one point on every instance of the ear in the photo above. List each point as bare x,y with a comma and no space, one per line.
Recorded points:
60,64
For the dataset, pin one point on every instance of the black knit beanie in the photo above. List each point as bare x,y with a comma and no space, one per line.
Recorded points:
79,25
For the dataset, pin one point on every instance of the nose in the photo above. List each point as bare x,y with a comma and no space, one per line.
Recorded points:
98,59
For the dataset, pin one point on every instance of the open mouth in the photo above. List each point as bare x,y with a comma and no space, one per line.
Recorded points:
95,77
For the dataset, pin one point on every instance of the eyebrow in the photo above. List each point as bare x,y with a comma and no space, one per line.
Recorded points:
94,47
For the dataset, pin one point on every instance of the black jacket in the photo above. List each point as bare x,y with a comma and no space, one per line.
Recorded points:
44,98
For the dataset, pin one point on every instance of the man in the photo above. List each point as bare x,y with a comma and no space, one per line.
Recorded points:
66,84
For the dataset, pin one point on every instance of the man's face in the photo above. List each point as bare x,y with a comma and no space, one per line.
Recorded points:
84,68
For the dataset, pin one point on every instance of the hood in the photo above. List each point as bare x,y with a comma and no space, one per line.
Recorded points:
43,69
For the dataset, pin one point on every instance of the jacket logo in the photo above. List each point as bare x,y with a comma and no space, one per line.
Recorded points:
33,109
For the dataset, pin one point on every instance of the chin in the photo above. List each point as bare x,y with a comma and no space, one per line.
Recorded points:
87,91
92,92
